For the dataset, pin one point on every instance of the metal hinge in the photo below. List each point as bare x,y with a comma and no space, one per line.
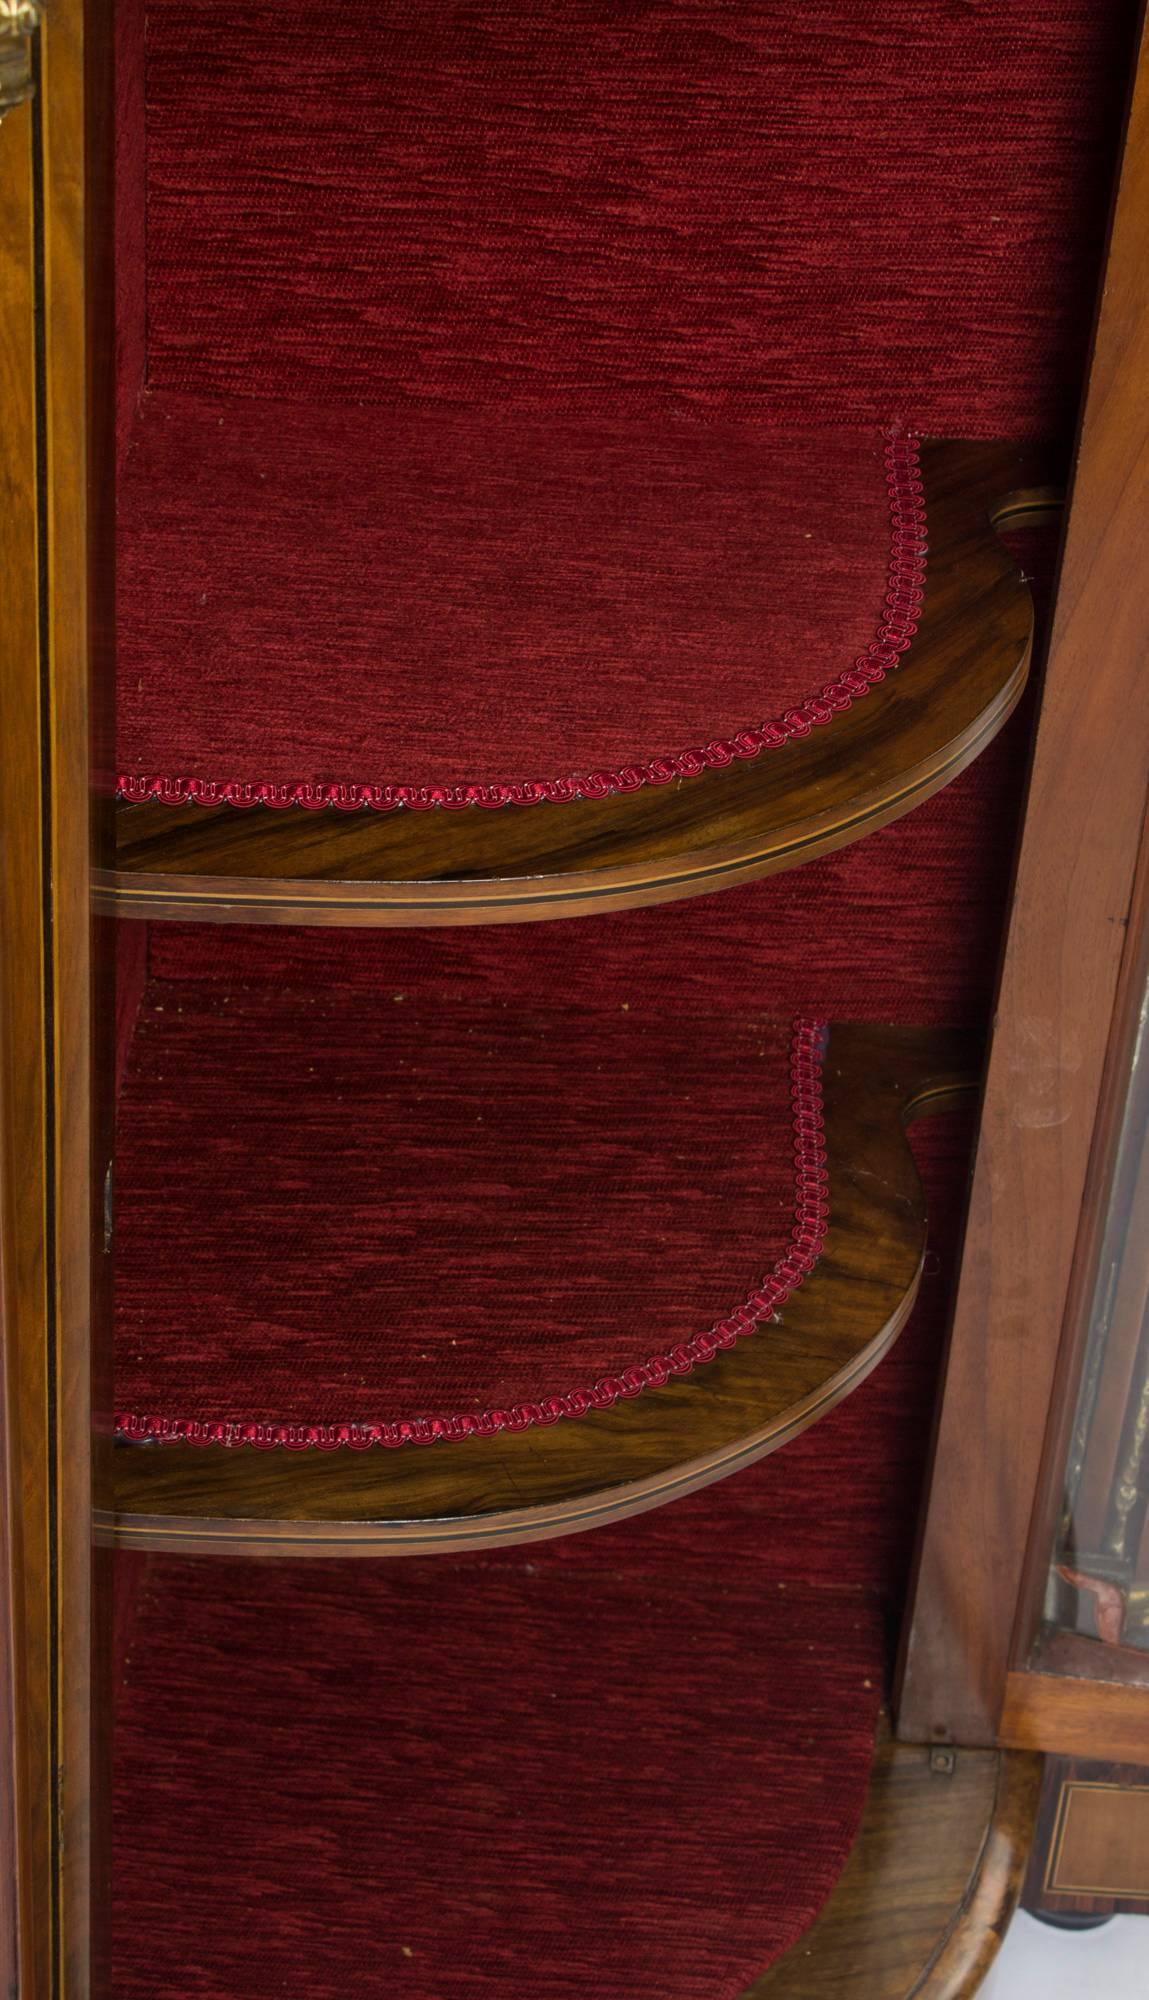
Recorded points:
19,20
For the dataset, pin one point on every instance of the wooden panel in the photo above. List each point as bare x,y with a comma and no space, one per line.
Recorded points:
1076,1717
953,691
1101,1847
1090,1854
45,1181
930,1885
1087,799
744,1403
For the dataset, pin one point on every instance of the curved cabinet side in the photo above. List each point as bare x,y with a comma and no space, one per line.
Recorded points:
909,737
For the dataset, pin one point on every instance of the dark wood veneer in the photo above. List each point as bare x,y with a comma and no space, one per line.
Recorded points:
1060,984
930,1886
664,1443
1090,1854
905,740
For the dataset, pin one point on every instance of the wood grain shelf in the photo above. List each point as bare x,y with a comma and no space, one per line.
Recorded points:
931,1884
641,1453
911,735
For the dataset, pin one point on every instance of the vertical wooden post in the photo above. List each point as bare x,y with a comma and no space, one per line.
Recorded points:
1063,957
45,1063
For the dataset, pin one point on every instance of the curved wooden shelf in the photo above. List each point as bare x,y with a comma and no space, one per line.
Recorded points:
910,736
931,1884
666,1442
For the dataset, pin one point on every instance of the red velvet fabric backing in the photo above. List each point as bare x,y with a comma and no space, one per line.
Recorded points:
131,975
422,1218
621,1763
837,1508
626,1772
129,171
881,208
363,597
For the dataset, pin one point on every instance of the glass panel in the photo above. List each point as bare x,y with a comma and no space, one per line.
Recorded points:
1097,1590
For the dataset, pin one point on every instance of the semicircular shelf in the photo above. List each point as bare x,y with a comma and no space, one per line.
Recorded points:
451,669
387,1286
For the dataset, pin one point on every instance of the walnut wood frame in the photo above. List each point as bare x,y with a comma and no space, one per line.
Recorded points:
1008,1380
49,1120
957,685
640,1454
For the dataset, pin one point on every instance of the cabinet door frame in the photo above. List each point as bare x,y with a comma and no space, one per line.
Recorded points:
51,1125
1032,1202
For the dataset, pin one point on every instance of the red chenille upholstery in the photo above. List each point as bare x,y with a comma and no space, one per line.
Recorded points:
512,1775
511,379
511,371
720,205
421,598
424,1219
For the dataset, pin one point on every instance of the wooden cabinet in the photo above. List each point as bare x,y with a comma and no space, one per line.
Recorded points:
1089,1857
473,492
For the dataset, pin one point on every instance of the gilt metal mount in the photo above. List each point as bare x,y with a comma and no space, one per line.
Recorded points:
19,20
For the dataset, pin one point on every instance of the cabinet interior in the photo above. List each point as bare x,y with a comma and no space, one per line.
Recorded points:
503,391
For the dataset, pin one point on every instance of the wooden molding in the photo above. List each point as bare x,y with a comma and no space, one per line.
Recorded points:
664,1443
1072,1716
908,737
1060,977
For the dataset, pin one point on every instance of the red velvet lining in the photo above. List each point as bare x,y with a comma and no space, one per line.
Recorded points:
130,218
427,1234
320,608
914,198
583,265
546,1772
719,205
131,974
295,1804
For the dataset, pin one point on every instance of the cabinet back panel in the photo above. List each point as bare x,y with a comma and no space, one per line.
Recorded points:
891,207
